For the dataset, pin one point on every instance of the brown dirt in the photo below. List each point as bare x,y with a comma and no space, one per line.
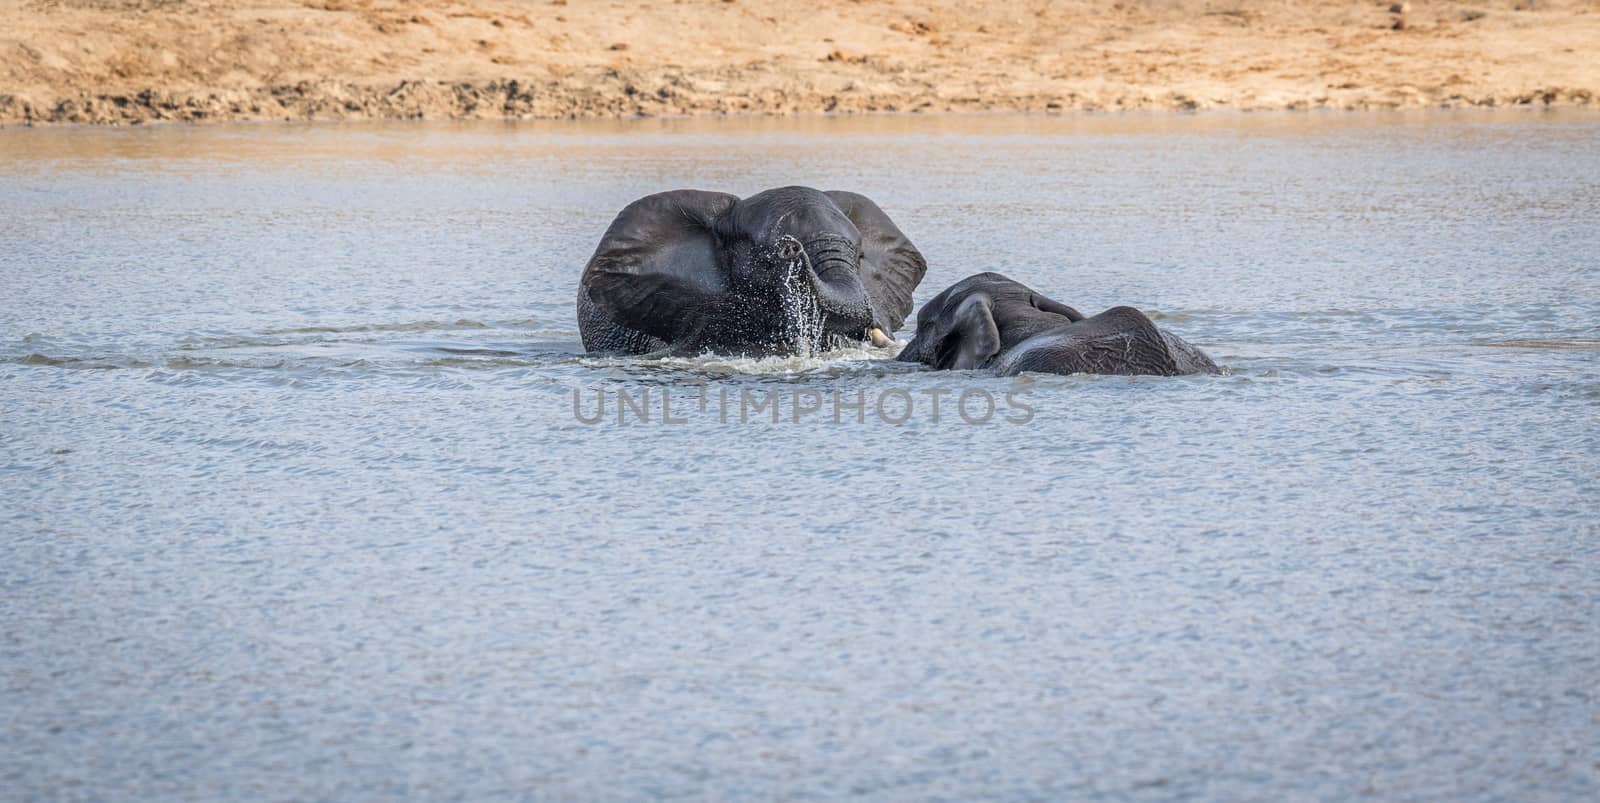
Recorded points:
132,61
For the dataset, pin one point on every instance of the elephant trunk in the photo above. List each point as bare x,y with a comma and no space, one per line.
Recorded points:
835,267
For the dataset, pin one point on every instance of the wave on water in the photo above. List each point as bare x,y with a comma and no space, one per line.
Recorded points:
47,360
1576,344
462,342
848,357
406,326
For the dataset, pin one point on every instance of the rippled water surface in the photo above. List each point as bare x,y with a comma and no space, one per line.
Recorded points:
295,502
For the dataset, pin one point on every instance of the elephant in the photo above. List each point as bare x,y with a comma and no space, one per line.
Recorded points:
787,270
988,321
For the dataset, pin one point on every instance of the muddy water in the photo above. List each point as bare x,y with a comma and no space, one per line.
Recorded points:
298,501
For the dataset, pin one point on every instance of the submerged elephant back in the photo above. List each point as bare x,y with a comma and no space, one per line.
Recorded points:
1120,341
1187,358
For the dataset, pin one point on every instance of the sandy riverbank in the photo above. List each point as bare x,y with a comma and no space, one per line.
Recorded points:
132,61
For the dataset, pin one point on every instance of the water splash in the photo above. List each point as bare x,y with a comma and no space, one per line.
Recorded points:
781,365
800,326
840,358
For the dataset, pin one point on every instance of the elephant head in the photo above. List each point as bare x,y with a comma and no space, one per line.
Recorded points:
977,318
786,269
989,321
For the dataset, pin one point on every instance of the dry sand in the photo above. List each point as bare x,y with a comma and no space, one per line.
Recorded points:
132,61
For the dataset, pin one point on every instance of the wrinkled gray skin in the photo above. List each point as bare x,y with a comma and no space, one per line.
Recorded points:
785,270
988,321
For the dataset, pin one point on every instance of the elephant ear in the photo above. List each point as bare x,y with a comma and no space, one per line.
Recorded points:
891,267
1047,304
659,261
973,338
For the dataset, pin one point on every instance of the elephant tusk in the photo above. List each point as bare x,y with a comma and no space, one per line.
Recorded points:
879,339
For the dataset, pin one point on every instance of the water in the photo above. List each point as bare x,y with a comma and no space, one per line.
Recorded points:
296,504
